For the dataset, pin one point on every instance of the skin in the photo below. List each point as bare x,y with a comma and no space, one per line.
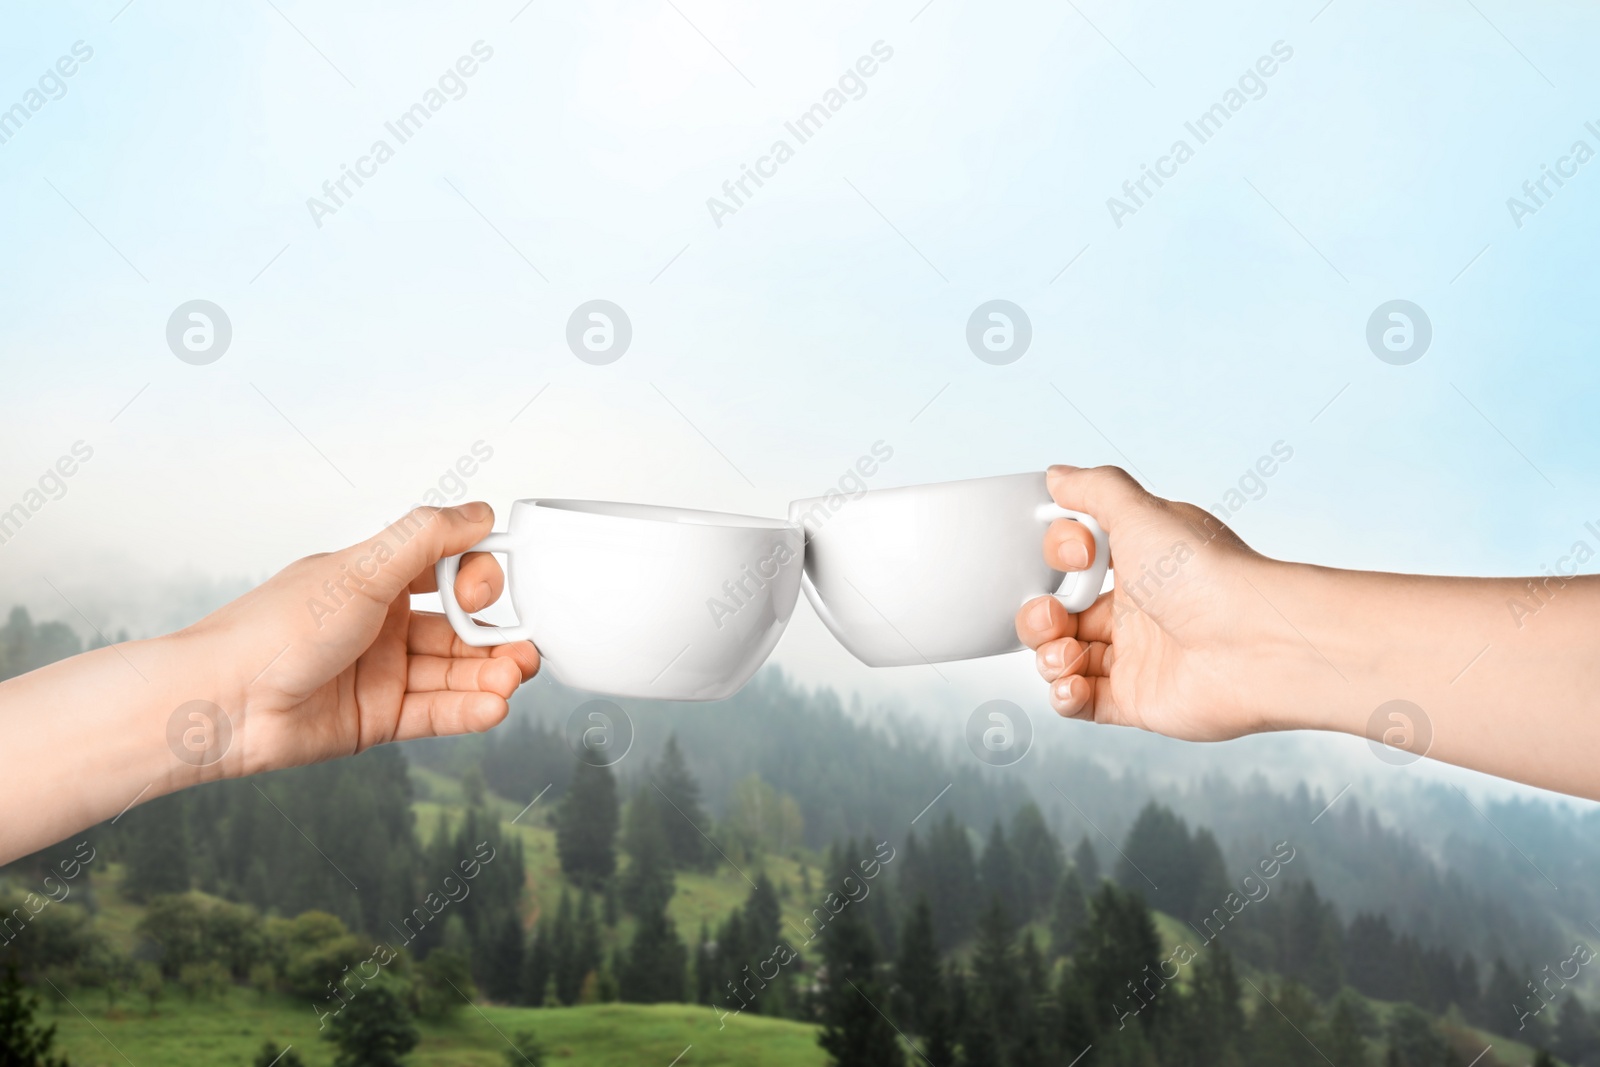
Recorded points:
90,733
1204,639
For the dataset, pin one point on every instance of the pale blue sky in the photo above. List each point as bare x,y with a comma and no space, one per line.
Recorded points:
827,312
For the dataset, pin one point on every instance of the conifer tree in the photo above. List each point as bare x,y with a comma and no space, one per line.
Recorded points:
854,1032
1068,914
919,974
586,827
649,871
685,818
1039,858
652,970
1087,861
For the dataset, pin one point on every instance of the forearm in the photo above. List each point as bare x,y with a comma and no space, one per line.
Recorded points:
83,739
1506,672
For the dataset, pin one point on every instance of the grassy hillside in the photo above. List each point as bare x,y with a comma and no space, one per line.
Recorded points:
229,1031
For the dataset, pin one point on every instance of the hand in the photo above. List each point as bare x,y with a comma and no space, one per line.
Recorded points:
1169,649
327,658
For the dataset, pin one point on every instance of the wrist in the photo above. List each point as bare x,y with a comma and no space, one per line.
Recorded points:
1304,657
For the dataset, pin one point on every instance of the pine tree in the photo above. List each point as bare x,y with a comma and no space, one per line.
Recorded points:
1001,876
649,871
652,971
1211,885
854,1032
1158,861
1087,861
945,870
567,968
373,1030
1068,915
1276,1031
1038,856
919,974
1574,1036
539,965
704,976
762,915
586,947
22,1042
158,849
503,963
1214,1021
1343,1042
685,839
586,827
1118,962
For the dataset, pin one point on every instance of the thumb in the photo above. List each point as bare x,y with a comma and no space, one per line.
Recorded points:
1109,494
387,562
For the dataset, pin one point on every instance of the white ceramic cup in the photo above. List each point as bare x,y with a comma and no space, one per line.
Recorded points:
930,573
635,600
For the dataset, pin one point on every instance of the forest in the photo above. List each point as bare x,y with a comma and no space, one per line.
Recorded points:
792,869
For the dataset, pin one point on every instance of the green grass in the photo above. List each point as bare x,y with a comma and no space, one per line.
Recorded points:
230,1030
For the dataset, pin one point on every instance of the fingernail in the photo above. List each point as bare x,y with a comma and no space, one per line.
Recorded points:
1039,617
475,511
1052,655
482,595
1062,690
1073,556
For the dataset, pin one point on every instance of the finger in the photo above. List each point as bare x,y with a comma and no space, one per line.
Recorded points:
1077,697
1068,545
478,569
432,635
1108,493
388,563
480,581
442,713
1068,656
1044,619
1097,621
493,674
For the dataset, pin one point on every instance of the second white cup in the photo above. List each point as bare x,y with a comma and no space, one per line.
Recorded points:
931,573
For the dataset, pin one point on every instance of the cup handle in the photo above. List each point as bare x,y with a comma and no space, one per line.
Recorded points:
1082,587
471,632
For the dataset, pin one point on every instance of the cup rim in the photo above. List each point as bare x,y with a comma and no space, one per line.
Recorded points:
889,489
631,512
